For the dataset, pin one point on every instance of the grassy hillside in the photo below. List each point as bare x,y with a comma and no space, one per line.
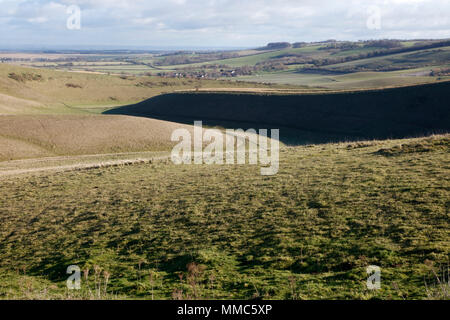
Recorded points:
406,68
348,81
51,135
312,118
317,51
164,231
41,91
408,60
261,57
141,227
47,113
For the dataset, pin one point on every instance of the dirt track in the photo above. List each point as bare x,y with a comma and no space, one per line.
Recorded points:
83,162
18,167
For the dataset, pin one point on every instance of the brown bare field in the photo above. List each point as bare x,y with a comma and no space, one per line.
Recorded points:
49,135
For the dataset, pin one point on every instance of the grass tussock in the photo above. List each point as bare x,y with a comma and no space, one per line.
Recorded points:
434,143
73,85
438,282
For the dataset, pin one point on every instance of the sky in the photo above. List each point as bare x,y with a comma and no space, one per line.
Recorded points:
163,24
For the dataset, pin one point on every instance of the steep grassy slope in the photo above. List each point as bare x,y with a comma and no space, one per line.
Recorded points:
167,231
312,118
50,135
12,105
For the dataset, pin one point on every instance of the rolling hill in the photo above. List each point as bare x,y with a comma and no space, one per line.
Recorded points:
26,90
50,113
311,118
145,229
284,64
51,135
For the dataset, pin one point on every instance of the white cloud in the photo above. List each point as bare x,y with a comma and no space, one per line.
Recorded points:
219,22
144,21
38,20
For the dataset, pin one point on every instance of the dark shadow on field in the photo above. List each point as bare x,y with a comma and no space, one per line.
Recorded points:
311,118
322,72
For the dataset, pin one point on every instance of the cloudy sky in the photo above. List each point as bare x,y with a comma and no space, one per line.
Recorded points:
215,23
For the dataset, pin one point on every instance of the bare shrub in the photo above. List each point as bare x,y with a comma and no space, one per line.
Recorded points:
23,77
73,85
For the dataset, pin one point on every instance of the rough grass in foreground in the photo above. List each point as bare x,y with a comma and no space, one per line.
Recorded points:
163,231
425,145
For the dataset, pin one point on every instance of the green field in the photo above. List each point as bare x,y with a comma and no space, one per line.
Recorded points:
414,69
357,80
254,59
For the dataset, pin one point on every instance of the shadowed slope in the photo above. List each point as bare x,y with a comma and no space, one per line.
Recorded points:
311,118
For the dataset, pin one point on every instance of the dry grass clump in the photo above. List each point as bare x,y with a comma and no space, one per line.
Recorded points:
73,85
94,285
191,286
361,144
438,287
434,143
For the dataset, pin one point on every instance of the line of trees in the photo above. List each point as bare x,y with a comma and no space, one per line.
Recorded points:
178,59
